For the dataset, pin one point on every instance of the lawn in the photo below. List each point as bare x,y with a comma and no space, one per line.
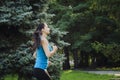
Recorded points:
11,77
73,75
80,75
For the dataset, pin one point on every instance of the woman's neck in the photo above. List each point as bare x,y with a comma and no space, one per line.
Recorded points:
44,35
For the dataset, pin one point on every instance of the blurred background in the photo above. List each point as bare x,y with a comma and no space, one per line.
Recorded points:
87,33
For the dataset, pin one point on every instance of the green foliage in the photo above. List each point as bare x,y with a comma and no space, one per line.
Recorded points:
15,13
108,8
106,25
97,46
23,14
88,22
75,22
111,51
18,62
56,36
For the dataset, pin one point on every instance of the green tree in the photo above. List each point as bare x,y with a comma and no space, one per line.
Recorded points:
88,22
107,23
77,20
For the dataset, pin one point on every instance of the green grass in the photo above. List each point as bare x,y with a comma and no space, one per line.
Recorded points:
11,77
79,75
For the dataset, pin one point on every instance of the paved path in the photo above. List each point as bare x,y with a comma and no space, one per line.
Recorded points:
117,73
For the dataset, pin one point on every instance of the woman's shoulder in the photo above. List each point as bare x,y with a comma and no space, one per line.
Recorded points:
44,40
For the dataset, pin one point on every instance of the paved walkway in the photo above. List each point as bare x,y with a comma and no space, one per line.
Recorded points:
116,73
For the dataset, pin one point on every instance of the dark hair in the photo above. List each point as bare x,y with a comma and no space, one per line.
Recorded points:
37,36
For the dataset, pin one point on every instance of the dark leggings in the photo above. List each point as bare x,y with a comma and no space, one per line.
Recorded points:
40,74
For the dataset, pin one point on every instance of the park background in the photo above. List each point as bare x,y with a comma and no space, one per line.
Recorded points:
87,33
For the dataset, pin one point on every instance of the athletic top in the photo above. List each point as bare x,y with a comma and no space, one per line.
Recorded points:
41,58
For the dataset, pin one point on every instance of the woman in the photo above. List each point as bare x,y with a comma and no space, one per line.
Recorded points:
42,52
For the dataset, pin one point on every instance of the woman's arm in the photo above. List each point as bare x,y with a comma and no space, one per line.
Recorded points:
48,53
34,54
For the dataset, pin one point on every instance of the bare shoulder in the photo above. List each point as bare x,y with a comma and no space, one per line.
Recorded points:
44,40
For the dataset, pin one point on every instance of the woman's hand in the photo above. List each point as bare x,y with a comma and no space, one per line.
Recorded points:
49,63
55,48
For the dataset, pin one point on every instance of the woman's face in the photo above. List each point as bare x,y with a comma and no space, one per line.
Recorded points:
46,29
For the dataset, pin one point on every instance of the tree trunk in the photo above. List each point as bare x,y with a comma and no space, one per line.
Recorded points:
93,59
75,57
66,64
84,59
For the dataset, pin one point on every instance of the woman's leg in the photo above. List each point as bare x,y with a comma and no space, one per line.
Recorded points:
47,73
40,74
